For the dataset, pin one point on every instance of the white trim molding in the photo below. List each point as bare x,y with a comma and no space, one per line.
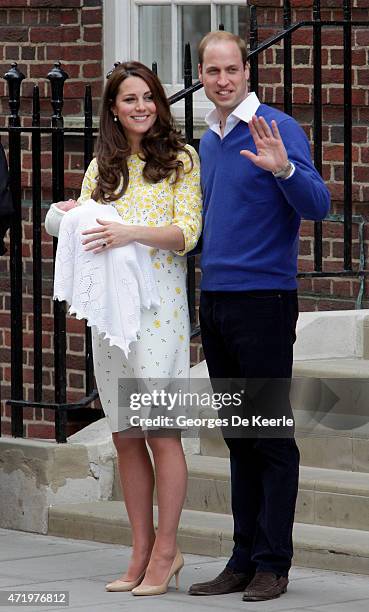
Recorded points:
121,39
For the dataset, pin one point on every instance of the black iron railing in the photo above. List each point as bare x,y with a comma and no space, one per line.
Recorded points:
63,409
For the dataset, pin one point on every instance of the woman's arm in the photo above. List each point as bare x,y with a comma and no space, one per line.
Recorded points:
57,210
114,234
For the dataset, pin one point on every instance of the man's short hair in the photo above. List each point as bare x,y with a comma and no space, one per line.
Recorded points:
222,36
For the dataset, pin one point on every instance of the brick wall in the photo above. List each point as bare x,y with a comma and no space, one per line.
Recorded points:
325,294
37,33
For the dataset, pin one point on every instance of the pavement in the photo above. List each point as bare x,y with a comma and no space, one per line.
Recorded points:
33,563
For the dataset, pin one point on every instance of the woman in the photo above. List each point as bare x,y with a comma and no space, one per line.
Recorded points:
144,169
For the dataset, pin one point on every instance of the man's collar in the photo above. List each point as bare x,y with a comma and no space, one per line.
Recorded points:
244,111
247,108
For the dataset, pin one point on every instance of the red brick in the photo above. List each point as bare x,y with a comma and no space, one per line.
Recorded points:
359,97
73,326
332,75
336,56
358,57
92,16
305,265
76,343
303,75
53,35
15,34
303,37
76,362
69,16
92,70
305,247
361,174
12,3
76,381
363,77
364,155
6,428
74,52
362,38
335,95
270,75
301,95
336,305
40,431
74,89
92,34
359,134
55,3
332,38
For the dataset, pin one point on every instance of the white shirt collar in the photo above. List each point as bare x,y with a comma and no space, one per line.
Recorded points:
243,112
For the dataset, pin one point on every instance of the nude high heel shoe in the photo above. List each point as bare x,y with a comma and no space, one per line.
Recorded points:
159,589
123,585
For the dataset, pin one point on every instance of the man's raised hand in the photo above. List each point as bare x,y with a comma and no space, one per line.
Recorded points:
271,152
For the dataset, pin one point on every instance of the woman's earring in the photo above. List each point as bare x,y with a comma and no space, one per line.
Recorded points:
115,118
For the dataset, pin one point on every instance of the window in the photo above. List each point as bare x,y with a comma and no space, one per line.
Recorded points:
151,30
157,30
163,28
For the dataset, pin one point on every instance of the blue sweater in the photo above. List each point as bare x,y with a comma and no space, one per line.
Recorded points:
251,219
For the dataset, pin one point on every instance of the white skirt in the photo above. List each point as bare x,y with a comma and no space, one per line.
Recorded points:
159,359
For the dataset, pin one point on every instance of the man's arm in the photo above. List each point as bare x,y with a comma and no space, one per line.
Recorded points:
304,188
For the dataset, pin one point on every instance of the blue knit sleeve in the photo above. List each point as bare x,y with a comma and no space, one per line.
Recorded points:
305,191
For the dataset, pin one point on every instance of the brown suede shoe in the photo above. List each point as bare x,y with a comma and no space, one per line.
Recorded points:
227,582
265,585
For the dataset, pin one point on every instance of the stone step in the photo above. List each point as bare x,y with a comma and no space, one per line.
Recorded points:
325,449
208,533
326,497
334,439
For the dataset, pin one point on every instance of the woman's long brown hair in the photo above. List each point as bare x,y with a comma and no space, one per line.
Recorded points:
160,145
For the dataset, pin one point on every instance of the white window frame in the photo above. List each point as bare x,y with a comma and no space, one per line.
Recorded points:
121,39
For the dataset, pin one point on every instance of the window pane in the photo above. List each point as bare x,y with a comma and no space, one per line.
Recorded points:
234,19
193,24
155,39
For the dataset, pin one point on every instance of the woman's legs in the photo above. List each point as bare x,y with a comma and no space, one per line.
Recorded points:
137,479
171,484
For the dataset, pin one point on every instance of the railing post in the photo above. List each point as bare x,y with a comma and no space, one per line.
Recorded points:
191,279
254,60
154,68
57,77
37,256
88,150
347,166
287,59
188,97
14,79
317,126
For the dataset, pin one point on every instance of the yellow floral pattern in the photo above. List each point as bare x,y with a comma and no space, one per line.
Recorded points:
158,204
162,347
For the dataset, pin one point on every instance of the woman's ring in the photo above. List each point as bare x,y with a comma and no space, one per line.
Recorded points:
104,244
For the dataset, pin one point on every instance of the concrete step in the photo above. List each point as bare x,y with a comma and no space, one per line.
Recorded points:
343,450
326,497
333,439
334,498
209,533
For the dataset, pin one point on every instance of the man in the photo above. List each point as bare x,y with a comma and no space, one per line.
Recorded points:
258,182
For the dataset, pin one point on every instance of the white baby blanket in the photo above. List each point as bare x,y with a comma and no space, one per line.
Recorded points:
108,289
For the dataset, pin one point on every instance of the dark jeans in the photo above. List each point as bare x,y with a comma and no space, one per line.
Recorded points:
250,335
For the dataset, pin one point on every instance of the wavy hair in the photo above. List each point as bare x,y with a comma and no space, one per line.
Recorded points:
160,145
